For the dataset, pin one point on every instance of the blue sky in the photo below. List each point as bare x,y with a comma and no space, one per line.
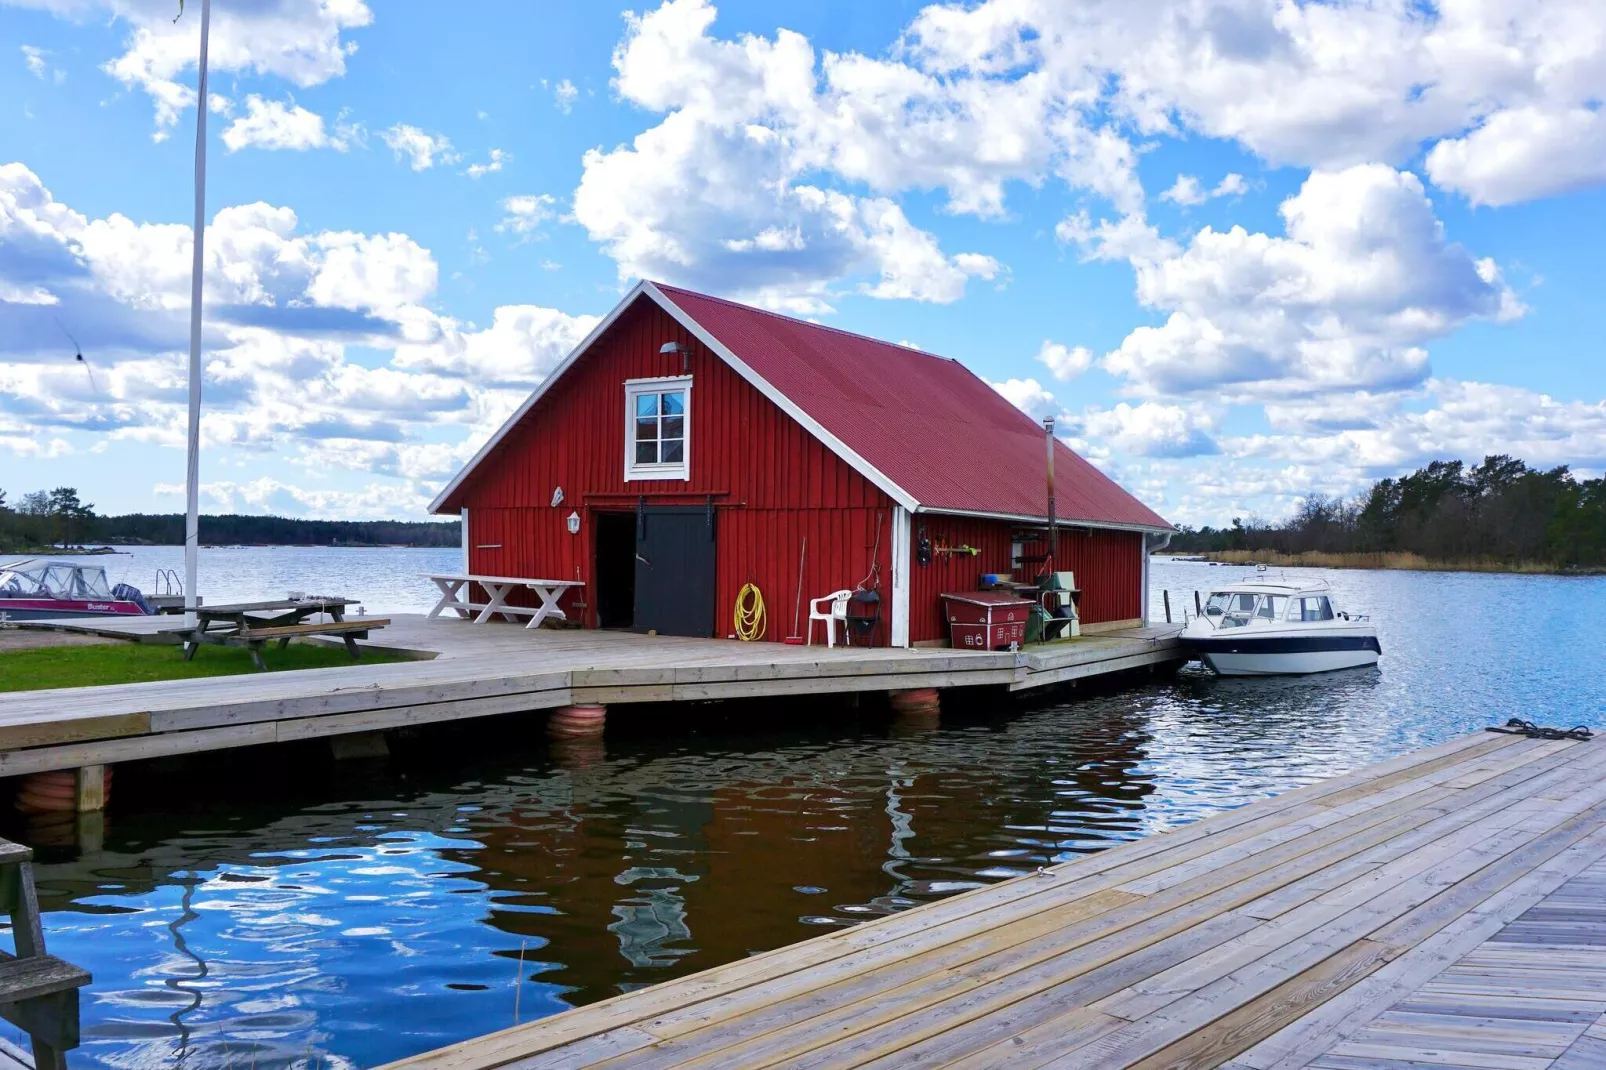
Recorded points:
1241,249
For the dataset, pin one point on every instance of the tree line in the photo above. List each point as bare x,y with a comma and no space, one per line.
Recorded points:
43,519
1500,510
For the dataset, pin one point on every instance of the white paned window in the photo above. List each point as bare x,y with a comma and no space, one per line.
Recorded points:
658,428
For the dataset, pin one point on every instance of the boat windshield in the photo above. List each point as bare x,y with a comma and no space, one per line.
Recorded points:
1234,609
1230,609
53,580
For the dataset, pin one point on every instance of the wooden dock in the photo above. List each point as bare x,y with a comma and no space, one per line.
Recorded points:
1443,910
478,670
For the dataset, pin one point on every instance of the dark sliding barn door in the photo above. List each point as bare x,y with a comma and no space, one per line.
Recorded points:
675,570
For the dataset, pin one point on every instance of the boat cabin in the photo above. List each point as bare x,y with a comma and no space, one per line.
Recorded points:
691,449
1236,606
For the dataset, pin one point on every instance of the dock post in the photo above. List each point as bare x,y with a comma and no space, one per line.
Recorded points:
89,794
1167,596
577,722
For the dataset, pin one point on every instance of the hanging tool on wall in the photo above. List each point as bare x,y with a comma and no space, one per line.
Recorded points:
797,607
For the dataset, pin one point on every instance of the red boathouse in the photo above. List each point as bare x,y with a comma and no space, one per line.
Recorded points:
690,445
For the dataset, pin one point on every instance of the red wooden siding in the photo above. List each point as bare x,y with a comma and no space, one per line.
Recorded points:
772,482
1108,567
951,572
1109,570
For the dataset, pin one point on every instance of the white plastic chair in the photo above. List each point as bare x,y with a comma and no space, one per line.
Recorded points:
830,609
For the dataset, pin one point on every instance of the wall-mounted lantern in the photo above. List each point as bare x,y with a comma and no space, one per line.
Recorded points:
573,523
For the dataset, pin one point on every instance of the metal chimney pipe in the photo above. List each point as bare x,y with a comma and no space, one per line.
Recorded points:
1053,526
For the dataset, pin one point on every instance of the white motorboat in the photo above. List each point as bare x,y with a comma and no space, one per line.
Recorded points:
1270,629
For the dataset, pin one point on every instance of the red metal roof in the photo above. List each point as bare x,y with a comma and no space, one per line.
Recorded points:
927,423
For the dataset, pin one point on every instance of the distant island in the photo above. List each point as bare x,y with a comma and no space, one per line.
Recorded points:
42,521
1500,515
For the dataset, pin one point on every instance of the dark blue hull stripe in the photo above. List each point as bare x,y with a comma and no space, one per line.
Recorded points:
1281,644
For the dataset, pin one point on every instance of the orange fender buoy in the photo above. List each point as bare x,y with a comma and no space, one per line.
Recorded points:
916,700
573,722
53,792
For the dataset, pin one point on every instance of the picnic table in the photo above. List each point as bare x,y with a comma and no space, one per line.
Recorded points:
253,624
499,587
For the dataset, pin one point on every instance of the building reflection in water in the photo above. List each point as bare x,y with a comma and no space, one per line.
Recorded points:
304,909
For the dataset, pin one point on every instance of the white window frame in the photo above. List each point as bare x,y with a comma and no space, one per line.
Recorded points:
634,388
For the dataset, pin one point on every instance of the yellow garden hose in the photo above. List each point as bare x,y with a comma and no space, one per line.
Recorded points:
750,622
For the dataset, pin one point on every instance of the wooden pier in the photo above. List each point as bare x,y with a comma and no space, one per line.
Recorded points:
1443,910
476,670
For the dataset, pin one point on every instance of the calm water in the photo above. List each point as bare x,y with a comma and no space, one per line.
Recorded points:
388,580
272,910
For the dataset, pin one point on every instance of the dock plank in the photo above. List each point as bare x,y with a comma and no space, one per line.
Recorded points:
471,670
1373,920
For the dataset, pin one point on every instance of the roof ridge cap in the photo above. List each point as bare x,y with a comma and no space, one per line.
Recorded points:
806,323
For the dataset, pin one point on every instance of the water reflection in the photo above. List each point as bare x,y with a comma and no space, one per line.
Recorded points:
297,912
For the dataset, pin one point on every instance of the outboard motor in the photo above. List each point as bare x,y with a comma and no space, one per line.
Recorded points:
126,592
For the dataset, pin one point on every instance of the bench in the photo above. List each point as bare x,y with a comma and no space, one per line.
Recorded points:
451,586
349,630
250,624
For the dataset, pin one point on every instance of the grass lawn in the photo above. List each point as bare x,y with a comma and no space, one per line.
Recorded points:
126,663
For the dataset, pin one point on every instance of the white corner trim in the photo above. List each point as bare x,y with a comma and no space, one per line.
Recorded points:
540,390
633,388
883,482
902,533
466,569
784,403
1144,601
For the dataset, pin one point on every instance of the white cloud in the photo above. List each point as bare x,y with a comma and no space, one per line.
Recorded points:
701,197
1459,419
284,310
1187,191
564,96
269,496
298,40
419,149
523,214
523,344
1323,86
273,124
1523,153
1064,363
1029,396
493,163
1347,299
34,58
1150,429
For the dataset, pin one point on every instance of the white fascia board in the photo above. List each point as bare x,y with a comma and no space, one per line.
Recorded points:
1062,521
536,395
784,403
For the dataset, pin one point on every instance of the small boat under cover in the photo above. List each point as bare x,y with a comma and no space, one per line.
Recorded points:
1269,629
41,589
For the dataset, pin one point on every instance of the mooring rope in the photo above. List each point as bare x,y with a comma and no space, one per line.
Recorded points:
1518,727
